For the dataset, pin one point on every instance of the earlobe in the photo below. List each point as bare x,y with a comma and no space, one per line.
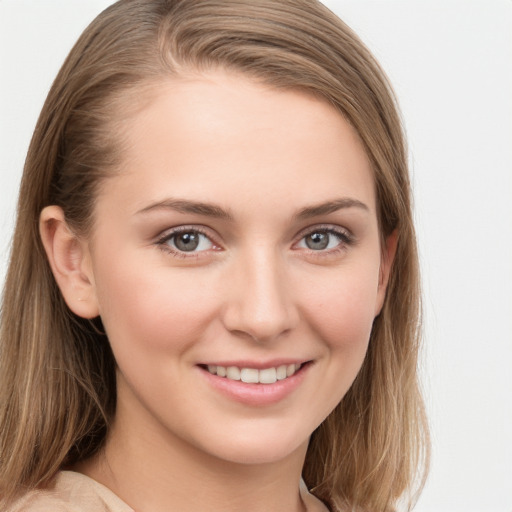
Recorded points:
69,260
388,256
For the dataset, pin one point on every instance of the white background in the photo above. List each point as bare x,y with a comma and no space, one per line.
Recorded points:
451,64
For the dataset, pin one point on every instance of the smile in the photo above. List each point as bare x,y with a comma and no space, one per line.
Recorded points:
254,375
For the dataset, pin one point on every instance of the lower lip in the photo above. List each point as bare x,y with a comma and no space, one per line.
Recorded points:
256,394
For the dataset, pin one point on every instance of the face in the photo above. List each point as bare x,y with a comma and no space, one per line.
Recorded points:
236,266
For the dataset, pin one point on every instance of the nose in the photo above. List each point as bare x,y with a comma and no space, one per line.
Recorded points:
260,303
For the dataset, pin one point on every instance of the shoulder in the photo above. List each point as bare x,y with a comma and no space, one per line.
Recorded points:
312,503
40,501
71,492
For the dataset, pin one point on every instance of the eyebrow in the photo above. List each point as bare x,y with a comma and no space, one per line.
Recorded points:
193,207
212,210
331,207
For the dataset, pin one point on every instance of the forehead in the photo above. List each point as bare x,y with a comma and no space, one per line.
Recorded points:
220,135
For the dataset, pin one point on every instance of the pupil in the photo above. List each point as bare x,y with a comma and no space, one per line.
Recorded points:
317,241
187,241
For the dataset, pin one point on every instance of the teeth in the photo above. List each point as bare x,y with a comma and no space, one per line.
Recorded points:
233,373
253,375
249,375
281,372
268,376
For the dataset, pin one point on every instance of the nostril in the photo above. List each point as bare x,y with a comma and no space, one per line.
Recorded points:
260,335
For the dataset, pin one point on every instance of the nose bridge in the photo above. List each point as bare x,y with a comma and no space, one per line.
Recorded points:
260,303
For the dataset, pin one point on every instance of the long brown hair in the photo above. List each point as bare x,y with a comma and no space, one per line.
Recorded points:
57,373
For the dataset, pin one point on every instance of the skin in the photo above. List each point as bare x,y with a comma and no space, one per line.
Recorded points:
253,291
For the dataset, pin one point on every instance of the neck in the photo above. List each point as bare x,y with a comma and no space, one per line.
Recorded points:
159,473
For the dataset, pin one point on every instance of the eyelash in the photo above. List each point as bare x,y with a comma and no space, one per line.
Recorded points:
346,239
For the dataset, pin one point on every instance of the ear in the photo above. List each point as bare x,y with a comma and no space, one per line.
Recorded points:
70,262
388,255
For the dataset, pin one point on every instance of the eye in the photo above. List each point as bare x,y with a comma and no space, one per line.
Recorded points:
324,240
186,241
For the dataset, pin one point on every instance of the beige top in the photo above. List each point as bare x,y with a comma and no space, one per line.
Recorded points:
74,492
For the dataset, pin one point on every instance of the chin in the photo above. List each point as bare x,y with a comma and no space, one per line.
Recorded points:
260,447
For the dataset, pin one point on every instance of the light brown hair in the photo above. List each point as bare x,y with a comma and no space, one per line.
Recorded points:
57,373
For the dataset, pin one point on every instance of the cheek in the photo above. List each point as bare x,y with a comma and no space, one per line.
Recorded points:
340,313
150,310
342,310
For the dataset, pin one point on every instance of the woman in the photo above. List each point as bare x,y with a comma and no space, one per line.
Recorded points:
213,288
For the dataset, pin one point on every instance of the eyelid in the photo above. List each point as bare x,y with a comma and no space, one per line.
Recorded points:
328,228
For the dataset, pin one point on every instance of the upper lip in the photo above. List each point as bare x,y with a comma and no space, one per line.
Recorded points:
258,365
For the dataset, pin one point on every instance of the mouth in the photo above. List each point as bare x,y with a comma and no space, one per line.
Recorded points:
247,375
256,384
